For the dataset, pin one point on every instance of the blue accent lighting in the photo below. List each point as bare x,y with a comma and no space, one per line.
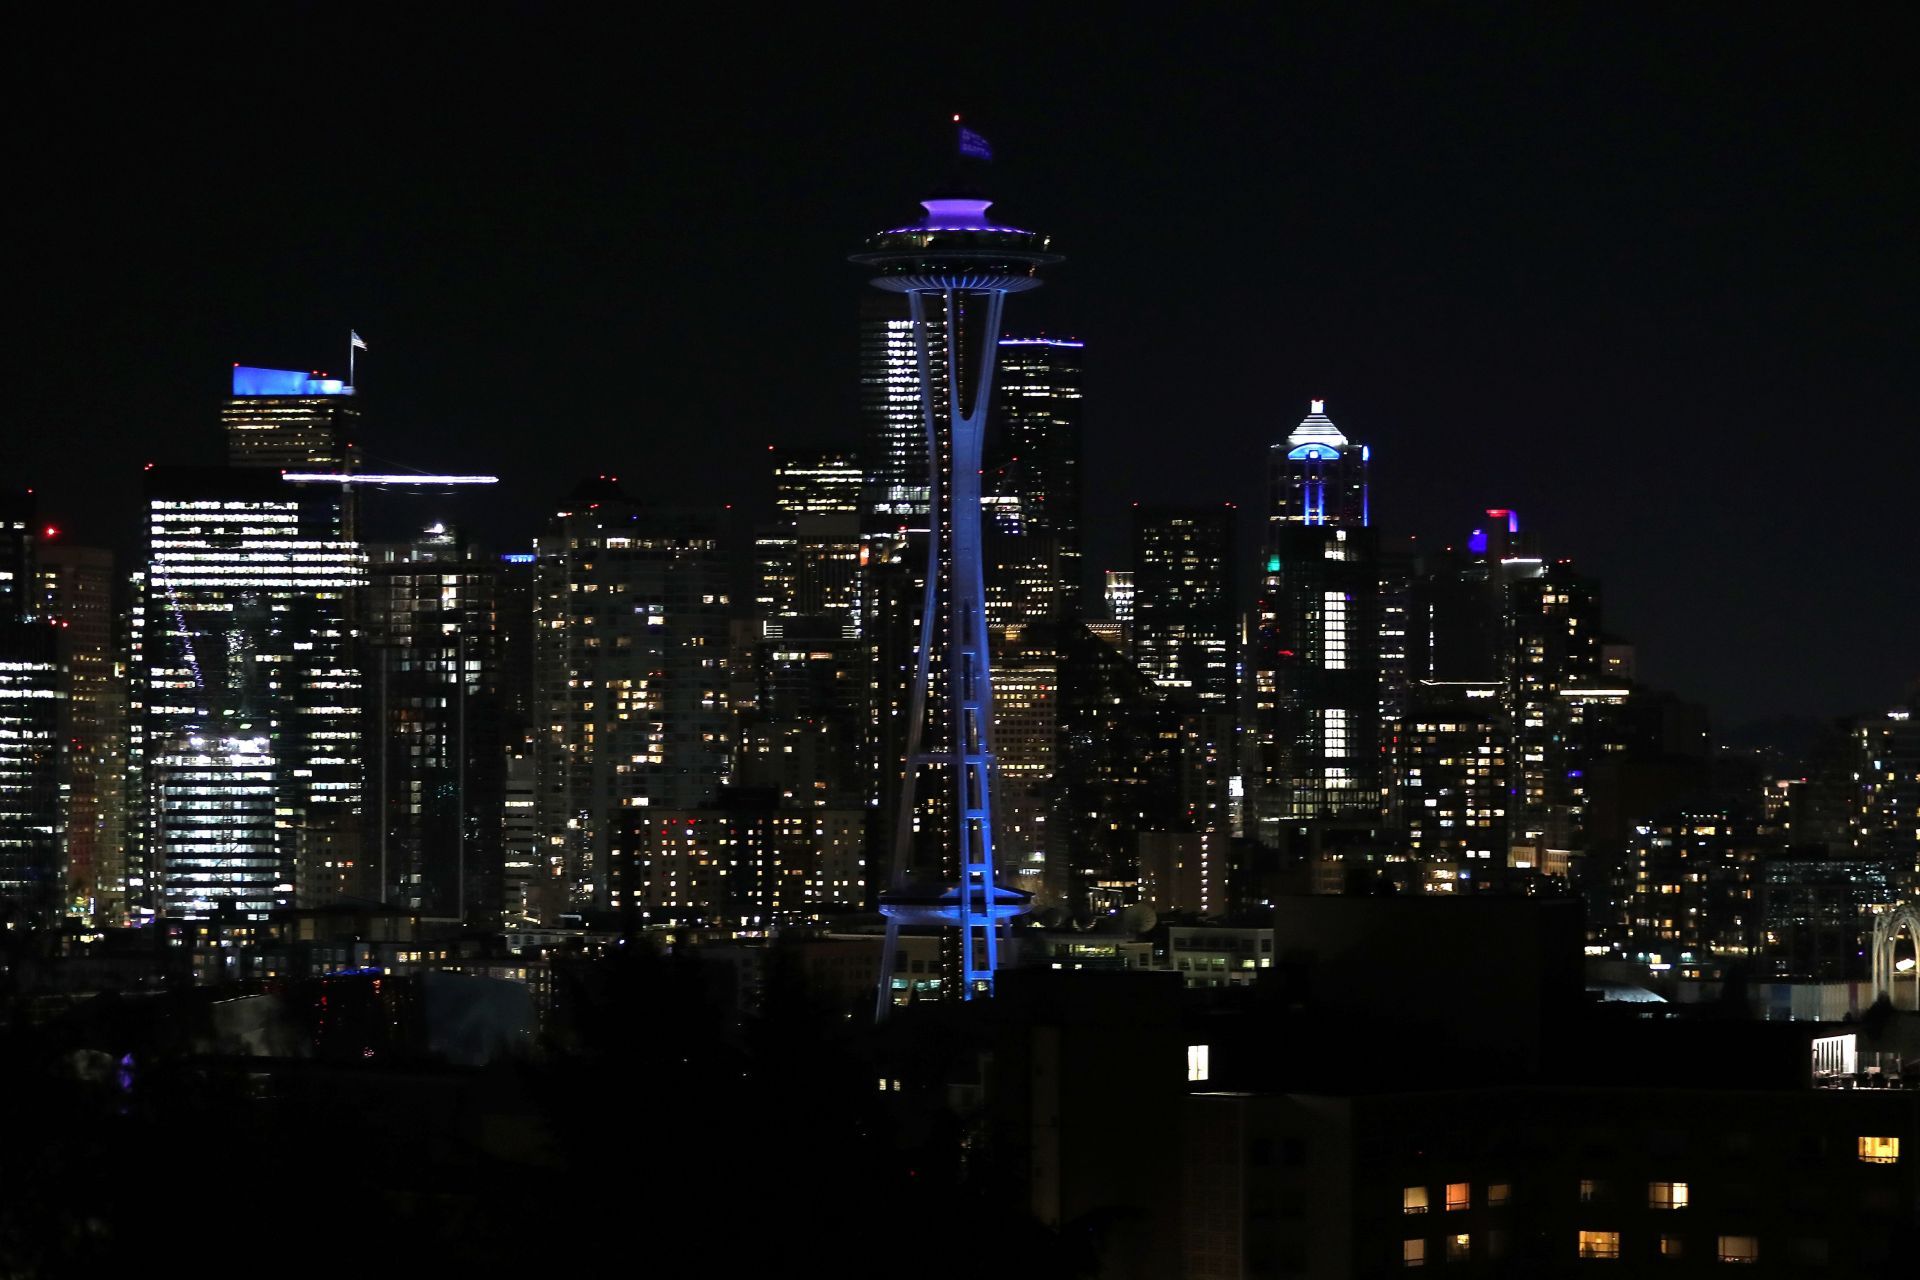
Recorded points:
249,381
1313,453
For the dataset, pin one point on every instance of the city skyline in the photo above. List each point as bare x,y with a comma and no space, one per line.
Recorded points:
548,615
1628,326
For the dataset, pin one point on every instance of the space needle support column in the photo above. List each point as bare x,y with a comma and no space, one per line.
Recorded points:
970,661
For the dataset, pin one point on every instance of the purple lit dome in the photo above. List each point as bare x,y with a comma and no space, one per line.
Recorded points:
956,247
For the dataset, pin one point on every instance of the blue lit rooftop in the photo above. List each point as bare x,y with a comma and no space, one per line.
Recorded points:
250,381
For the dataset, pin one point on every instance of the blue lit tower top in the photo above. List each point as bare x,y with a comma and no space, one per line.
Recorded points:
1318,476
956,268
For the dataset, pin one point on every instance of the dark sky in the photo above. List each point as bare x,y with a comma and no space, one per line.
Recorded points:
1648,276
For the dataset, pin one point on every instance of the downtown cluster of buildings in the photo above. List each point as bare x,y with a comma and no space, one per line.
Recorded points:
313,690
1380,917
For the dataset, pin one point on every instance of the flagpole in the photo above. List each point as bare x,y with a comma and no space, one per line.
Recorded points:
351,348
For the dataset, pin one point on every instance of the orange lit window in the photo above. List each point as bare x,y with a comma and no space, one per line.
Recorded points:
1666,1195
1413,1253
1413,1200
1600,1244
1880,1150
1459,1195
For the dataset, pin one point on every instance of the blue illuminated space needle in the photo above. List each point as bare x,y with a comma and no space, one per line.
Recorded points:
956,266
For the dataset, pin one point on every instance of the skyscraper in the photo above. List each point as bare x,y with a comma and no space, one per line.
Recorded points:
76,597
289,420
1030,495
810,557
893,446
1314,708
438,754
631,673
249,746
1183,607
956,269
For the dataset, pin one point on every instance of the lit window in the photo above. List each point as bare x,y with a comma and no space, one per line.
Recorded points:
1459,1196
1739,1248
1600,1244
1671,1247
1413,1200
1880,1150
1589,1190
1197,1062
1498,1193
1459,1247
1413,1253
1666,1195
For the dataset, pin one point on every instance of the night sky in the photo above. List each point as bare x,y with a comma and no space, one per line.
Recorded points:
1648,277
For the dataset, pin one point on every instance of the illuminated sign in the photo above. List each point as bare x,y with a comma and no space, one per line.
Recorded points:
249,381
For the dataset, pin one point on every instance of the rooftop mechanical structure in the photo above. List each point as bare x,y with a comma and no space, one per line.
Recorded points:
956,268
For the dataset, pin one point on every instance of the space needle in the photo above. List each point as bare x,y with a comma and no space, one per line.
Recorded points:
956,266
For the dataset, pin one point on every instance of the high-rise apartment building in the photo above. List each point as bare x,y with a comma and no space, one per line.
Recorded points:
1184,629
437,754
631,673
249,739
1886,816
290,421
1314,671
76,598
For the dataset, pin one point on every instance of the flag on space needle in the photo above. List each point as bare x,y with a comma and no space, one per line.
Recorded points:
972,144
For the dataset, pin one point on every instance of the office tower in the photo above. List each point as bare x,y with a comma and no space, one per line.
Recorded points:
1314,670
1183,606
290,421
893,446
437,737
631,672
1030,494
1026,744
810,557
249,694
956,269
1497,611
76,598
1118,772
33,689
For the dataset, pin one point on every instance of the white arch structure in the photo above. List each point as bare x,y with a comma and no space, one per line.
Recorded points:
1886,934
